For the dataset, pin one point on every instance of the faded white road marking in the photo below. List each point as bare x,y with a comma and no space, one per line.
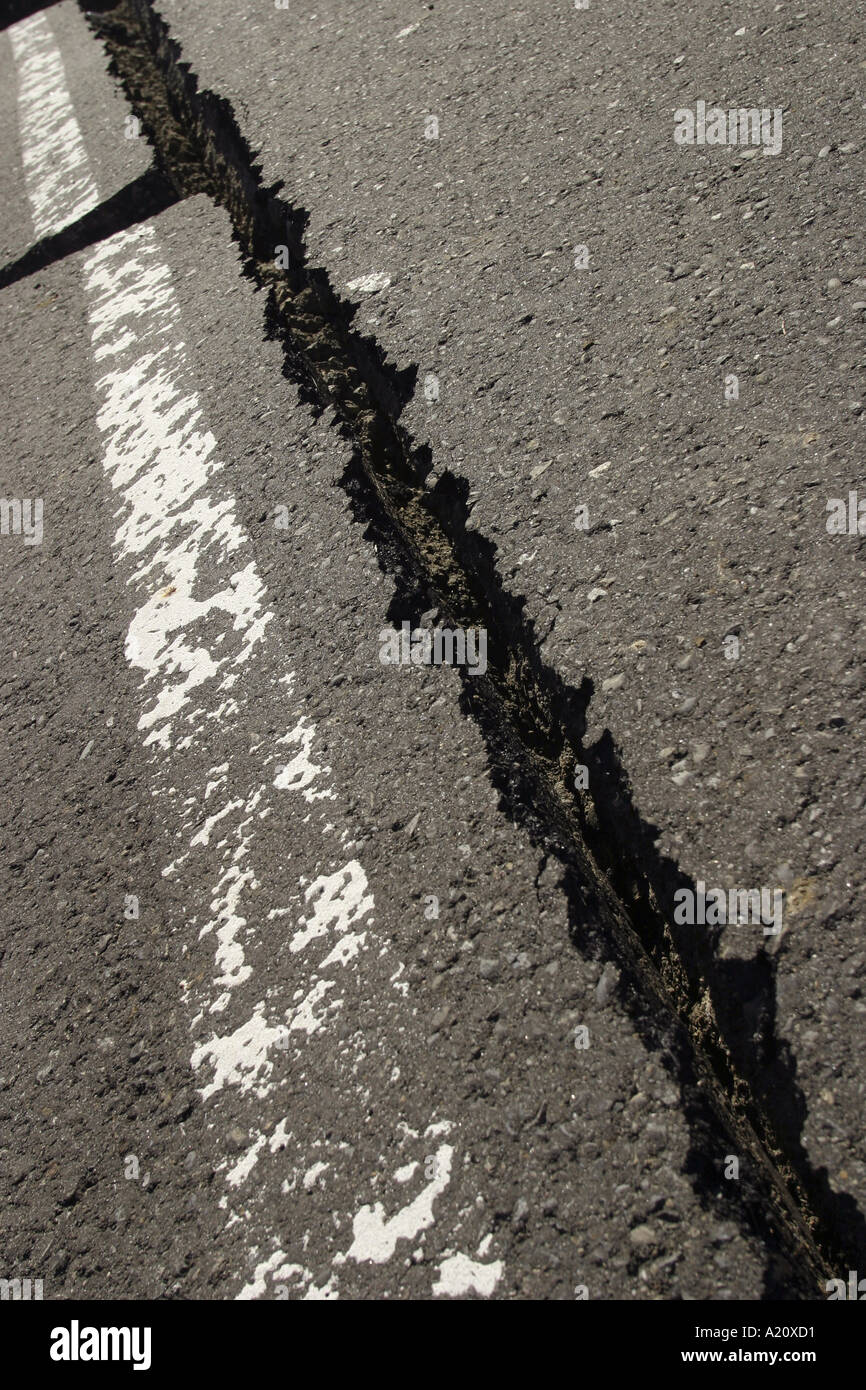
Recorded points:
202,618
56,168
459,1275
375,1237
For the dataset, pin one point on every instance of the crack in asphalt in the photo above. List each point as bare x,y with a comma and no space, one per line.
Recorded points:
711,1020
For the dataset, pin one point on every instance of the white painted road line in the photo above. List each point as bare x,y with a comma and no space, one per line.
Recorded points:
202,623
56,168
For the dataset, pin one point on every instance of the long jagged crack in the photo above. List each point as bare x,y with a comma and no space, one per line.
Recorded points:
533,723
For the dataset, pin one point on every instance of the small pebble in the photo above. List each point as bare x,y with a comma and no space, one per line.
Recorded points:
607,984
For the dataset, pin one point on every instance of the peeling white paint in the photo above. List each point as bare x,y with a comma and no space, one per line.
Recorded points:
245,1165
459,1275
313,1173
376,1237
301,773
341,900
241,1058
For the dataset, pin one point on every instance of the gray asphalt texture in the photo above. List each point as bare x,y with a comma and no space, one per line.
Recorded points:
556,387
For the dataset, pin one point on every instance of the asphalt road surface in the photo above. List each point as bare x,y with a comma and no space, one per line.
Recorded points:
330,967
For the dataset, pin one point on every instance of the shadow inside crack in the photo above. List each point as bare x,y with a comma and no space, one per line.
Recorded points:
743,996
742,992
